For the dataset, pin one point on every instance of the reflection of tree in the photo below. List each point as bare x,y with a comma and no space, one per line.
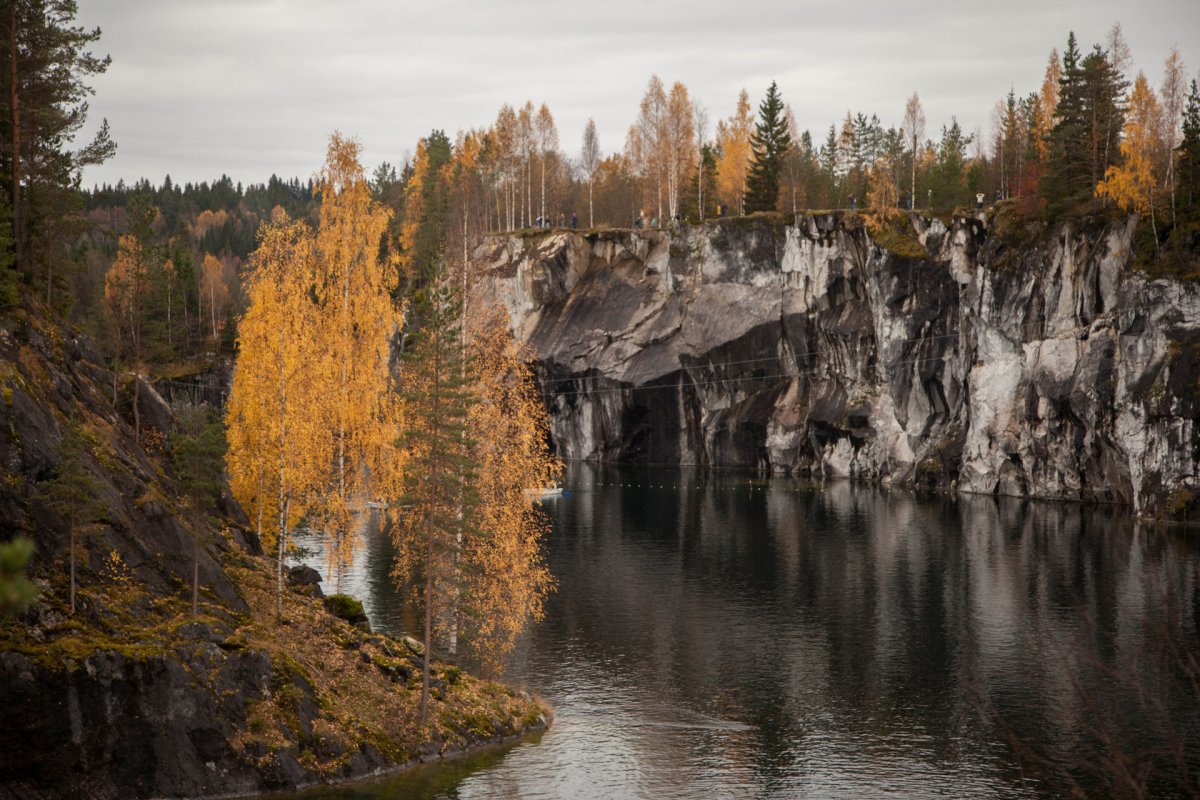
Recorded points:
841,636
783,608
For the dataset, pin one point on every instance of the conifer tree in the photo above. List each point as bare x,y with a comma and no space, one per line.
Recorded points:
197,449
438,499
1089,119
72,494
44,65
769,145
1189,152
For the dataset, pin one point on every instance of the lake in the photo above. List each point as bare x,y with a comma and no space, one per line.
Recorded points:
726,635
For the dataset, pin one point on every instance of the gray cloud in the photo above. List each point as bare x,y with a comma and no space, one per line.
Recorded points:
251,88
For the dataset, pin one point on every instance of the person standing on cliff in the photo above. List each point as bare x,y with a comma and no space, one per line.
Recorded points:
574,220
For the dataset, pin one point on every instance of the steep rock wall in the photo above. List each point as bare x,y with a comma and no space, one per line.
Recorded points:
1043,368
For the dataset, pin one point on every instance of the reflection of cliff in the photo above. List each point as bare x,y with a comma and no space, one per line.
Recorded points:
851,619
1043,368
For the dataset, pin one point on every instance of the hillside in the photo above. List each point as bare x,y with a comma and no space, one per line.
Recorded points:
132,696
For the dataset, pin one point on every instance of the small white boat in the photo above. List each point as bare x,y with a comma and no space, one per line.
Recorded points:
544,492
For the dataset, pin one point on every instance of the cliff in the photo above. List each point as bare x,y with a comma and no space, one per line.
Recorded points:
979,354
133,696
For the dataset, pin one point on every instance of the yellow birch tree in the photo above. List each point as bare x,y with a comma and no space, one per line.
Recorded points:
358,318
278,444
733,142
1131,184
504,577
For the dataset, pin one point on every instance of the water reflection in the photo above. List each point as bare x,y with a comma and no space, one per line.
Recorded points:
718,636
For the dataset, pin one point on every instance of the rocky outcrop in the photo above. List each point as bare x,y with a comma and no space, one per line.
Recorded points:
1041,366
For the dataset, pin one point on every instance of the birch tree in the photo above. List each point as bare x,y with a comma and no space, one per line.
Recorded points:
589,162
913,126
733,143
353,288
273,399
545,137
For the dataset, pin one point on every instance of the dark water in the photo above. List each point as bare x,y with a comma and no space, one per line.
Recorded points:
719,636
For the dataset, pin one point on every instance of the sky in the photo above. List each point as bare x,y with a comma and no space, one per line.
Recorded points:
251,88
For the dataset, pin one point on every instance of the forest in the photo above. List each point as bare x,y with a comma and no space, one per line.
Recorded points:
175,280
344,363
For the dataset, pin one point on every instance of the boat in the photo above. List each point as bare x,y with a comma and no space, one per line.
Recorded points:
545,492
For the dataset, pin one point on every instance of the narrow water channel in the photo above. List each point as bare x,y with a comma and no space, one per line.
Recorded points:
719,635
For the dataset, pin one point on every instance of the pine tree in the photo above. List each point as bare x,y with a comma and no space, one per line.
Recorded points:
44,66
72,494
769,144
437,499
197,450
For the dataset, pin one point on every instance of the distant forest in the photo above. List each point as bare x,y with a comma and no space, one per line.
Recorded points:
1093,138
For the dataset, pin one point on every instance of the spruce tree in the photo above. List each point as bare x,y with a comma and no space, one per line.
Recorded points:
1084,141
1068,168
769,143
1189,155
438,499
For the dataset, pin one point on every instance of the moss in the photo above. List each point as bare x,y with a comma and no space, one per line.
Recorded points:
895,235
343,606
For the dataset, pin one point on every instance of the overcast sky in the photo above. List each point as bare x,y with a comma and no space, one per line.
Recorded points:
254,87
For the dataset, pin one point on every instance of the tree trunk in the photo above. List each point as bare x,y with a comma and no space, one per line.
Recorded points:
591,220
195,564
283,498
137,412
15,113
72,521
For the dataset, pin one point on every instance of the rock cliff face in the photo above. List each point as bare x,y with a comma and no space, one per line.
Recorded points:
1041,367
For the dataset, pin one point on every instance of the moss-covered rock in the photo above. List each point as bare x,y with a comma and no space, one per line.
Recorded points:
343,606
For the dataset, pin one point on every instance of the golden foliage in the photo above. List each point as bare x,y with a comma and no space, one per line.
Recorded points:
278,444
733,142
214,290
1131,184
357,319
505,576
